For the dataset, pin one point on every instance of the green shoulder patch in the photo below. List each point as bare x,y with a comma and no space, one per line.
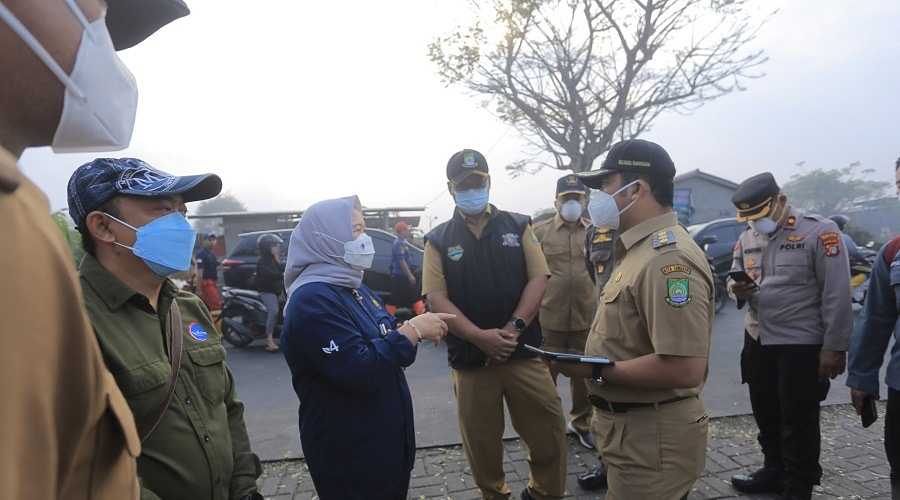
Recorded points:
663,239
678,292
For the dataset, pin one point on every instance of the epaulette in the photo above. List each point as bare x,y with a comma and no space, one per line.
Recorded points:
663,239
602,236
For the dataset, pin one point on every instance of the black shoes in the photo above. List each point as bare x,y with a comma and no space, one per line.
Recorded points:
765,480
526,495
798,492
586,438
593,480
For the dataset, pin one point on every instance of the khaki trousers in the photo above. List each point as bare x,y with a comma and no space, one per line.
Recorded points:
654,453
536,414
573,342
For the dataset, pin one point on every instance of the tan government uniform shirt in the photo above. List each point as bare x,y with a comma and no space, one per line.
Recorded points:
65,430
659,301
568,304
433,266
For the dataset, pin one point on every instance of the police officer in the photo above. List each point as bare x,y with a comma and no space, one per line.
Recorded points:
485,266
159,342
655,322
797,330
66,431
568,305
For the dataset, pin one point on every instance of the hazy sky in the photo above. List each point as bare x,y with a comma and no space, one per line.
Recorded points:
293,102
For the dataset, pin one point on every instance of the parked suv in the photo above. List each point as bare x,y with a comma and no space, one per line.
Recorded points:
240,265
718,238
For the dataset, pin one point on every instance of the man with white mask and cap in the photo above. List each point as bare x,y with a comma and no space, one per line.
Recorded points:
66,430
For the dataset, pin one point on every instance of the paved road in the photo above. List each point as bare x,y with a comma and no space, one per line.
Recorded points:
264,384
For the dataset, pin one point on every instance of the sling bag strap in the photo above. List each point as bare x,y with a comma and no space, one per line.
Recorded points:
175,341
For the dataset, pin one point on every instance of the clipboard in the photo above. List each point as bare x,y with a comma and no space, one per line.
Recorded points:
561,357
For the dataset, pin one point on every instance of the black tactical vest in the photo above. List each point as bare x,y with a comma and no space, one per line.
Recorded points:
485,279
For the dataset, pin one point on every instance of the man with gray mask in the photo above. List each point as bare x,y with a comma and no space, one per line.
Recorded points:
797,331
66,430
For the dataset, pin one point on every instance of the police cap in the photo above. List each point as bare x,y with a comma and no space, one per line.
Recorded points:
465,163
633,155
570,184
753,198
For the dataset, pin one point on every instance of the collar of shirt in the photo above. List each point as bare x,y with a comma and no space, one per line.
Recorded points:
644,229
112,290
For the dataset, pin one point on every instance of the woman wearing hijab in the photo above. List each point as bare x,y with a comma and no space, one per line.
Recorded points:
347,356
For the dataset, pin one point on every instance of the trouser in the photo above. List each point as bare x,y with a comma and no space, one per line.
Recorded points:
785,392
892,439
209,293
536,414
573,342
272,311
653,453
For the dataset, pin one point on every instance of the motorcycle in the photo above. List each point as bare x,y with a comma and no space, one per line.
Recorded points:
860,272
243,318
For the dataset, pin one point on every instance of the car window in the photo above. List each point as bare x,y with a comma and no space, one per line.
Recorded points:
246,247
724,233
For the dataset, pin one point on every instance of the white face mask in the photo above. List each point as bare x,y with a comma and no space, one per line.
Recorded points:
603,209
359,253
765,225
101,94
571,211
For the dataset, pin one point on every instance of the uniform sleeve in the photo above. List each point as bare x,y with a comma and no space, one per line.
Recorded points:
535,262
875,327
432,271
247,468
328,339
737,264
833,276
674,299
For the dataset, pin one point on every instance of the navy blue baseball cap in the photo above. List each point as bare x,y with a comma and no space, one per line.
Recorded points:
99,181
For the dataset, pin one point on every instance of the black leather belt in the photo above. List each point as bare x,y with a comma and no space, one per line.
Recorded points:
609,406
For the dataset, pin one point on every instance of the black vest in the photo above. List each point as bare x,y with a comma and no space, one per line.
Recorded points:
485,279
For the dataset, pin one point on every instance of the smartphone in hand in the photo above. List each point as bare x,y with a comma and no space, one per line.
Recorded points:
741,276
869,411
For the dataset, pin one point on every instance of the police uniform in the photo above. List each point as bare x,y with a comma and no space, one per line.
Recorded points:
802,306
483,265
658,301
568,305
198,447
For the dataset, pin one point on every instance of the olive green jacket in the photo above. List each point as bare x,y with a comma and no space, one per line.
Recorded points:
200,451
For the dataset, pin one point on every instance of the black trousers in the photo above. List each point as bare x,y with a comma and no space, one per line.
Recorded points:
403,293
785,392
892,435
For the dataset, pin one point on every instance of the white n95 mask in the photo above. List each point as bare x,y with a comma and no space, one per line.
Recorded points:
101,95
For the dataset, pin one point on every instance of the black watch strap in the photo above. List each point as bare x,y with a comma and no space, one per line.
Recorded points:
597,372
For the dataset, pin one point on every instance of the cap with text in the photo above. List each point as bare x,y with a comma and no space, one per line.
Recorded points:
632,155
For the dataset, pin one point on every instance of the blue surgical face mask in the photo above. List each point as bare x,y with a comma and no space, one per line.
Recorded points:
165,244
472,201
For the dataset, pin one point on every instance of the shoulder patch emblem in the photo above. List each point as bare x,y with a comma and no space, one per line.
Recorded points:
455,253
832,242
663,239
511,240
197,332
678,292
676,268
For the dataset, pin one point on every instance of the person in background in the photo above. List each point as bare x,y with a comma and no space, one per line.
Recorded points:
404,289
486,267
347,357
208,271
797,331
270,283
851,246
158,341
877,324
65,429
568,305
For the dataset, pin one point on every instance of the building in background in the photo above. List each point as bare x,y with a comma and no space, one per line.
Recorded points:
702,197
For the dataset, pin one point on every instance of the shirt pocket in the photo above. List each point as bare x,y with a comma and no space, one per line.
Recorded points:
609,314
140,383
209,366
792,267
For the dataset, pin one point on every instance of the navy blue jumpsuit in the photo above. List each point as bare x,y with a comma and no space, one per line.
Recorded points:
356,419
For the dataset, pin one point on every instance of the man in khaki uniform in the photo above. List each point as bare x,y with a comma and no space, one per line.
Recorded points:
486,267
65,430
159,342
568,305
655,322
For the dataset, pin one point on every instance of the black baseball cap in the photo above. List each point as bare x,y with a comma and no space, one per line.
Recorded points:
99,181
465,163
753,198
632,155
570,184
130,22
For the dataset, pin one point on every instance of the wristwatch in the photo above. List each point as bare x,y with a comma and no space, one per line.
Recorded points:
597,375
518,323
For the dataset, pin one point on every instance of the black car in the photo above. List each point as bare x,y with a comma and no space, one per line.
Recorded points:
240,265
718,238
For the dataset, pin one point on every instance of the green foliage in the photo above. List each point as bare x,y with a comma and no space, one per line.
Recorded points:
225,202
70,235
828,192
